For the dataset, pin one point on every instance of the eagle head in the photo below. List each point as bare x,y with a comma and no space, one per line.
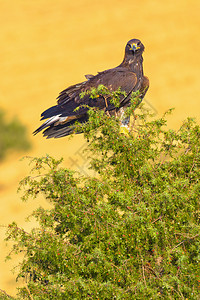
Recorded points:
134,47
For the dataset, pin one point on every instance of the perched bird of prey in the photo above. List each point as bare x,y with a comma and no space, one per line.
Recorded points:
128,76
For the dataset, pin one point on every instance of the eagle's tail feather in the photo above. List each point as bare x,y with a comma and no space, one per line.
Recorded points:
58,131
47,123
58,126
62,130
51,112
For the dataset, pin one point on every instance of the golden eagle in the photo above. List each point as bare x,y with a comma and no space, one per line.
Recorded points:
128,76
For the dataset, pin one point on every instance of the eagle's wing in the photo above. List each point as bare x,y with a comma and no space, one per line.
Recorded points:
63,115
70,98
128,76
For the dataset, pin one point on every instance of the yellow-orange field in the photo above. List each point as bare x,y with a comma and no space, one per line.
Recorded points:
46,45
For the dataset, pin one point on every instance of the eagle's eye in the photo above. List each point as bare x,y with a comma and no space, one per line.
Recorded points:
134,46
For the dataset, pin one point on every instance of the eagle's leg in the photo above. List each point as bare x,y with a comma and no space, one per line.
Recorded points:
124,127
124,120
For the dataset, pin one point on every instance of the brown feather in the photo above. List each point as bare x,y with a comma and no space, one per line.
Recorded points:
128,76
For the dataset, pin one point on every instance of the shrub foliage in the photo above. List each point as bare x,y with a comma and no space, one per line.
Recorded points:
131,232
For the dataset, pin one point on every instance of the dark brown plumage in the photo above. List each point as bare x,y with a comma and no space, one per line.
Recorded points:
128,75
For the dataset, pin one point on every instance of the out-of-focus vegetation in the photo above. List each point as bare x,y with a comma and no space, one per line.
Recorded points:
5,296
13,136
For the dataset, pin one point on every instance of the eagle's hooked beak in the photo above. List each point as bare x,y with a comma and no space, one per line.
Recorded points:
134,47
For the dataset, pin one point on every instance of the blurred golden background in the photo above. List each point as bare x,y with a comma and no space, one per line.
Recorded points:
47,45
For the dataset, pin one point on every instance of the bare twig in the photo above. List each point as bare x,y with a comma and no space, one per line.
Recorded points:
26,286
144,275
152,270
187,238
178,244
159,218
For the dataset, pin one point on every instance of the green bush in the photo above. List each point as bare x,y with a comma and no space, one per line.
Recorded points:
131,232
12,136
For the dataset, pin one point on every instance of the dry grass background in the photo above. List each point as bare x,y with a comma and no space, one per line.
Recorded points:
47,45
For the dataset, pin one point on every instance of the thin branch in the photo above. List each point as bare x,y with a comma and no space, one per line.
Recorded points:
152,270
159,218
143,275
26,286
187,238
